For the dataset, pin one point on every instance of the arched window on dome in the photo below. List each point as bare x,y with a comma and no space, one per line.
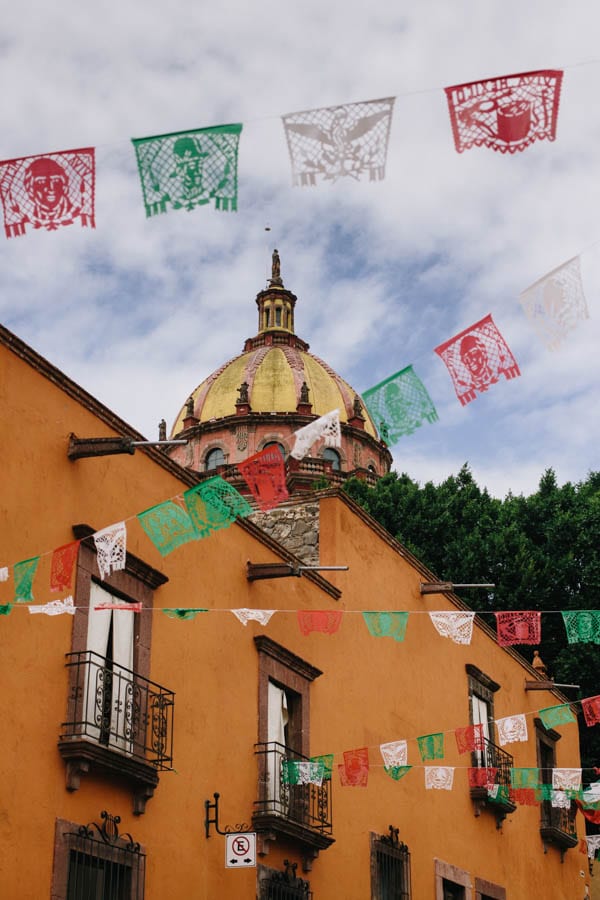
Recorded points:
214,458
333,457
275,444
278,315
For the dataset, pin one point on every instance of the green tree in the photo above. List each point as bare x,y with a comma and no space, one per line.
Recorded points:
542,552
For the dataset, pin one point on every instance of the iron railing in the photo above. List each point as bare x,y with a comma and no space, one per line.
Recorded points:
120,709
559,819
495,757
308,805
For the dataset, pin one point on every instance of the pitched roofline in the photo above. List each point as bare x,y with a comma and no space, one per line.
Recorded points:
371,523
106,415
98,409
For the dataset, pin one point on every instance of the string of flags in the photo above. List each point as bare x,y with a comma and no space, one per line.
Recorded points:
513,627
521,785
218,505
215,504
479,355
199,167
207,507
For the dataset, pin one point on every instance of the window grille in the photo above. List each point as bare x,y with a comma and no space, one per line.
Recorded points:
103,865
286,885
390,867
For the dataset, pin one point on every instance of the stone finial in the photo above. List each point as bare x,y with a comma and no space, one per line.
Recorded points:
539,665
162,430
243,392
357,408
304,393
276,270
189,407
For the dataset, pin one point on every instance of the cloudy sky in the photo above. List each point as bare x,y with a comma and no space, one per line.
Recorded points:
139,311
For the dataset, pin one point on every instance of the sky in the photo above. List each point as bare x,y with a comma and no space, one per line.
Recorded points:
139,311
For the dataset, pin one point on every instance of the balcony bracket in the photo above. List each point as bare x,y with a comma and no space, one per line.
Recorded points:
562,851
263,842
75,768
308,858
141,794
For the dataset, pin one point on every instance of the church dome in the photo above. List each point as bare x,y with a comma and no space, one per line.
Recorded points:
271,389
274,374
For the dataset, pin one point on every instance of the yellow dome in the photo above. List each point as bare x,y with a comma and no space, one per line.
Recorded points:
274,376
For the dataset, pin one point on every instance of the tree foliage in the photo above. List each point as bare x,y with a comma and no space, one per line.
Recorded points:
541,552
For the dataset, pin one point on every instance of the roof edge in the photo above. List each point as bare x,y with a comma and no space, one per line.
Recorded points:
339,494
81,396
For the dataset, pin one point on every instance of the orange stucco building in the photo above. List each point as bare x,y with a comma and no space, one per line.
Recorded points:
208,705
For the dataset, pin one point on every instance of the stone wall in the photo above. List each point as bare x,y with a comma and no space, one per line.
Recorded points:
296,527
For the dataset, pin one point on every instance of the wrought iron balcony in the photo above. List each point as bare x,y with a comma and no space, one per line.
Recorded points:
301,811
118,721
494,757
557,825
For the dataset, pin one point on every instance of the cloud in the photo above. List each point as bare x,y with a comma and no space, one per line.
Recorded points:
141,310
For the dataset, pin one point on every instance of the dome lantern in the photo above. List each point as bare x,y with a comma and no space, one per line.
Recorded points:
275,304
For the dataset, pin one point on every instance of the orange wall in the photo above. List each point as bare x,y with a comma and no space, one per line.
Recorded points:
372,690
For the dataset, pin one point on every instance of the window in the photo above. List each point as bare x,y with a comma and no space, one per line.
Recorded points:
333,457
214,458
93,861
452,891
481,712
451,883
557,824
284,885
299,810
275,444
481,703
485,890
390,867
278,315
118,721
107,706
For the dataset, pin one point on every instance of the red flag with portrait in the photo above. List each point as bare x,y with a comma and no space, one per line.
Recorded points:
470,738
476,358
355,770
48,191
264,473
61,570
